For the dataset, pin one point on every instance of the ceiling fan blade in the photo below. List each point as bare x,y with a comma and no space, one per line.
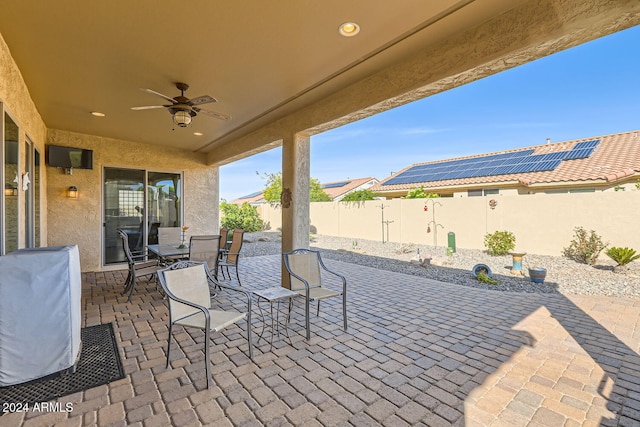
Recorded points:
205,99
148,107
153,92
212,114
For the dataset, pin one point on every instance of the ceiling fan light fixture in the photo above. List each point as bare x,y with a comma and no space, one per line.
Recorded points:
182,118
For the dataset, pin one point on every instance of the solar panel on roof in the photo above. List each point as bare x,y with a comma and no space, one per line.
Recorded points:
335,184
252,195
587,144
496,164
579,154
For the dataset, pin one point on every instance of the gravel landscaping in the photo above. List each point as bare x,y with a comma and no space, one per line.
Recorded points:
563,275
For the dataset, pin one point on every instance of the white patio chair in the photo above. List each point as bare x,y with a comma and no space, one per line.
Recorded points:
303,266
188,286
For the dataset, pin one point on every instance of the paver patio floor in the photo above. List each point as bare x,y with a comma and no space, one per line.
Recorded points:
417,352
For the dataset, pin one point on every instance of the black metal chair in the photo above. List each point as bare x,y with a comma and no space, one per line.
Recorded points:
188,286
205,248
232,257
140,265
303,266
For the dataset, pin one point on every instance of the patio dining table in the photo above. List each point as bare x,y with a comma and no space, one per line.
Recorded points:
169,252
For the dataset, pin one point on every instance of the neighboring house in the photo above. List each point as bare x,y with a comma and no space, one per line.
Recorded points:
254,199
599,163
337,190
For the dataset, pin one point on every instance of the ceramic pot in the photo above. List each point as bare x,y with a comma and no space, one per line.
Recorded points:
479,268
537,274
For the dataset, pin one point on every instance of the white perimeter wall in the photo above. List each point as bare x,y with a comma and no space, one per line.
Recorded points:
543,223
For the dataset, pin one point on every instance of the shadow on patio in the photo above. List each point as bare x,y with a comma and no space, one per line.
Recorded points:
418,352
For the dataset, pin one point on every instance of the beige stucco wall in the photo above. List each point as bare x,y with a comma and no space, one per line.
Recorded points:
543,223
79,221
17,102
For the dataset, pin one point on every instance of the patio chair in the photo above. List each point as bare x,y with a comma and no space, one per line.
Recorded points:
232,257
187,285
205,249
168,235
140,265
303,266
224,235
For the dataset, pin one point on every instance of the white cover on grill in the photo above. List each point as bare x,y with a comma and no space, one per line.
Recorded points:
40,317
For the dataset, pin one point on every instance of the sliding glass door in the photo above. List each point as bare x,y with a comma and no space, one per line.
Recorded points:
139,213
10,206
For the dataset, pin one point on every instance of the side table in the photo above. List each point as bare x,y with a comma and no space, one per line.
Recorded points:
272,296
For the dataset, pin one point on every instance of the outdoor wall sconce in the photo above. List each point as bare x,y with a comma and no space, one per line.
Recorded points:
493,203
72,192
9,190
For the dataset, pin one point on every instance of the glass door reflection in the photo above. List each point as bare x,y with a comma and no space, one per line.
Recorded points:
163,196
124,201
11,181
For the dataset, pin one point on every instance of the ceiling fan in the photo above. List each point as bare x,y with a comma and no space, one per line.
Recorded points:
183,109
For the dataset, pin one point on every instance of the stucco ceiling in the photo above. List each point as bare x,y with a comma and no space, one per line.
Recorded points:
261,60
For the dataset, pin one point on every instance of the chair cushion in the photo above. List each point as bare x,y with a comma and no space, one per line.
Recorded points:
319,293
146,270
219,319
190,284
305,265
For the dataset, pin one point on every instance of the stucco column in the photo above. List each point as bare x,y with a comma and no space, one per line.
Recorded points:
295,195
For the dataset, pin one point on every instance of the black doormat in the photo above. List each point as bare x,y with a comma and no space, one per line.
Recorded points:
99,364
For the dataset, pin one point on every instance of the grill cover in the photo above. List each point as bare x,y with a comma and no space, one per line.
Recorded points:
39,312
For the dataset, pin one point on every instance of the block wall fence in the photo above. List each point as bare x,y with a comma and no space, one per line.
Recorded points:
543,223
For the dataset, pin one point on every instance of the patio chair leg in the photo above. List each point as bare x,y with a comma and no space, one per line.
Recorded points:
169,343
249,335
306,320
344,310
318,312
207,358
133,285
127,283
238,276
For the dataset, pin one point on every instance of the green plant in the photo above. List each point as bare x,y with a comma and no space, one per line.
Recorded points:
359,196
419,193
499,242
245,217
273,189
585,246
484,278
622,256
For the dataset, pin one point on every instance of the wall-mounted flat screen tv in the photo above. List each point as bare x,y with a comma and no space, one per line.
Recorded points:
69,157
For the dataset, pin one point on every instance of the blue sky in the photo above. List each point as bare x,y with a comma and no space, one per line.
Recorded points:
589,90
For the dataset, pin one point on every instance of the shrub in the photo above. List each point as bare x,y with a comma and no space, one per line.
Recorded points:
485,278
359,196
419,193
622,256
245,217
499,242
585,246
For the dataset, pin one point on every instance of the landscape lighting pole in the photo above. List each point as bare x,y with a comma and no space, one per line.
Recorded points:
382,206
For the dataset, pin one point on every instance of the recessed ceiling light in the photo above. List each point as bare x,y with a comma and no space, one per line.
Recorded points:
198,133
97,114
349,29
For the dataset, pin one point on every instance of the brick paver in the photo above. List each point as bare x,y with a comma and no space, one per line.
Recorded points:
417,352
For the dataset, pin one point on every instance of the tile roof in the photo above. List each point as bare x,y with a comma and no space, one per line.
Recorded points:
349,184
333,189
616,156
256,197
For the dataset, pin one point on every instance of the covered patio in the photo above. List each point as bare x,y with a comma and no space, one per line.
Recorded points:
417,352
